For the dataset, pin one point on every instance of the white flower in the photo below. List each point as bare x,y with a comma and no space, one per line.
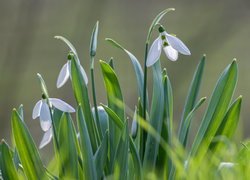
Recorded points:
42,111
171,46
65,73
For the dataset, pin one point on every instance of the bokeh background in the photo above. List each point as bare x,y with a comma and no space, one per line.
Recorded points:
220,29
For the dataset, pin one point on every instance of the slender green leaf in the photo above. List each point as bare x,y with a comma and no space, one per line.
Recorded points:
82,97
192,95
136,65
156,21
163,160
216,110
156,117
229,123
115,102
101,156
115,118
133,150
7,166
188,120
121,155
136,159
27,151
68,148
87,153
115,99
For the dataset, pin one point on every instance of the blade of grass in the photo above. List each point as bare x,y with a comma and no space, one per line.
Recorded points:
229,123
121,155
115,102
216,110
156,117
81,94
68,148
100,157
87,153
27,151
192,96
137,67
7,166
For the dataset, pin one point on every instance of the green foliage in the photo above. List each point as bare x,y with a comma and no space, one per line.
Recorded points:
100,145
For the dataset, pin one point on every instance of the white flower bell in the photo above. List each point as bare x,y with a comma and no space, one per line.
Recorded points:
171,46
65,73
42,110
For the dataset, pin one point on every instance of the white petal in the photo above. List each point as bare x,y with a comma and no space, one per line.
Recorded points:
177,44
171,53
61,105
45,118
84,74
154,52
37,109
46,138
226,165
63,76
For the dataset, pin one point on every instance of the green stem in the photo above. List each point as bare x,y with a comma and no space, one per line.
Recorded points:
144,100
94,97
54,131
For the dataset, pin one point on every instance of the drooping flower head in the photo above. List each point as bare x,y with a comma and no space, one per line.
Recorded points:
44,112
170,44
65,72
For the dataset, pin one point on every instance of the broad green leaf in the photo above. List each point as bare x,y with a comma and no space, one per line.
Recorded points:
27,151
115,102
114,94
43,85
121,155
216,110
87,153
82,97
100,157
68,146
156,117
136,65
192,96
229,123
156,21
93,41
7,166
66,41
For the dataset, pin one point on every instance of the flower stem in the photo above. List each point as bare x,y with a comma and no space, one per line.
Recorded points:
144,102
94,97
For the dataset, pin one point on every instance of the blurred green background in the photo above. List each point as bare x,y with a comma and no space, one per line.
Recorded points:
220,29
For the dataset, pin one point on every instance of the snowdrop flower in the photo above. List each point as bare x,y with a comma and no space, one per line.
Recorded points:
65,73
171,46
42,111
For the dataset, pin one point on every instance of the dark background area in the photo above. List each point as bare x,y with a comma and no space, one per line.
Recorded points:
220,29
